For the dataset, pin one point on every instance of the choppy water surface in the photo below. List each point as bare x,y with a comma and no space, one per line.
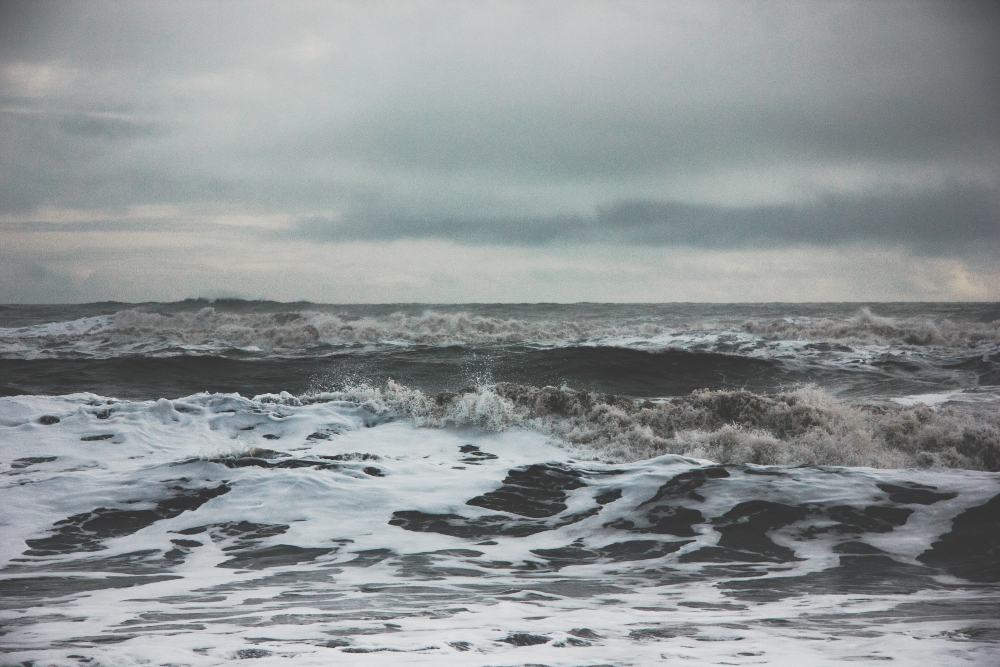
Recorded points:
203,483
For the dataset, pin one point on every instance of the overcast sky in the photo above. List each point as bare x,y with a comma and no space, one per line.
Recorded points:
477,151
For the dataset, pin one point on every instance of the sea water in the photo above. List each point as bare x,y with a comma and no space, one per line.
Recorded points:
200,483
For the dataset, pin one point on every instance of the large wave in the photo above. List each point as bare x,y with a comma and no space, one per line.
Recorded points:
805,426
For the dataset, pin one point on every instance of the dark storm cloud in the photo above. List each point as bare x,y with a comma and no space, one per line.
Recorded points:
505,123
954,220
79,160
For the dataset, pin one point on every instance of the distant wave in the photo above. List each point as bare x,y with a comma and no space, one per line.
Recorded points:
865,327
138,332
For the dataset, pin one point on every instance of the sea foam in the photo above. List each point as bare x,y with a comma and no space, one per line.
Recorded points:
326,529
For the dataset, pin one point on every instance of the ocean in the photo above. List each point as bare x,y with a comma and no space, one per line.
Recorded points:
210,482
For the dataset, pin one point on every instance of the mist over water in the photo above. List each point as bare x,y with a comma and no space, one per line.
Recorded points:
205,482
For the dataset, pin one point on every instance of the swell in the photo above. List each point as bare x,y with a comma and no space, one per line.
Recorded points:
609,370
614,370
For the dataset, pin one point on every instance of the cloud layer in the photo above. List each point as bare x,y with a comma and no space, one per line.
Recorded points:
730,126
950,221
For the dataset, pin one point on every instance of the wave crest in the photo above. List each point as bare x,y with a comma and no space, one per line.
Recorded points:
138,331
285,330
806,426
864,327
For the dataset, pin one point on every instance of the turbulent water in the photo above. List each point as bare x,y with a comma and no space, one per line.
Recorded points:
200,483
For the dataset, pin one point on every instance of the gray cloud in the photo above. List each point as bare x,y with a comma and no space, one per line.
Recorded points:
290,105
30,281
946,222
111,128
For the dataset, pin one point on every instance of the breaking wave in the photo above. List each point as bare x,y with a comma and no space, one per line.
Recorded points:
207,331
136,331
864,327
806,426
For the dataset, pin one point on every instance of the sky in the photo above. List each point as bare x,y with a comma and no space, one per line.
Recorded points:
499,151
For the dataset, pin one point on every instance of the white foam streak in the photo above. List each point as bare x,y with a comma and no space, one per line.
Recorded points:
427,597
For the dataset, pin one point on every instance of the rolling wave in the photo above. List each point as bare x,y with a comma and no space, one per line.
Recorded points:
310,333
805,426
